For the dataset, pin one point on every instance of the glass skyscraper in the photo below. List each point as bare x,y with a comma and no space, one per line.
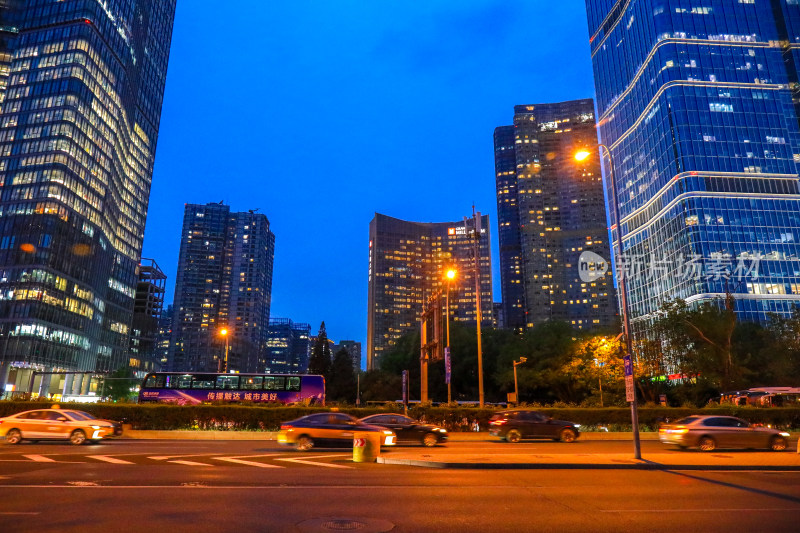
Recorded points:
695,103
407,262
288,347
551,214
81,87
224,281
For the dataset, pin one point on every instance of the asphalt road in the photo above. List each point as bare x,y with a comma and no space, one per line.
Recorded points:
220,486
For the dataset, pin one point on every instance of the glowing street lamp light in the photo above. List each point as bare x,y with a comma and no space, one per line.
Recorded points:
582,155
224,333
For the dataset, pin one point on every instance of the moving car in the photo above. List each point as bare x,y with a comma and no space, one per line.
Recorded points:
517,424
709,432
328,429
57,424
409,430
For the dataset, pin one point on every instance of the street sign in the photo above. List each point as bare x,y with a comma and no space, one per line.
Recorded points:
628,365
447,367
629,393
511,397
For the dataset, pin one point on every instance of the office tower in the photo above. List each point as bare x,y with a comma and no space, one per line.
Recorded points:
695,104
498,316
407,264
164,336
147,309
288,347
552,216
222,290
81,86
353,348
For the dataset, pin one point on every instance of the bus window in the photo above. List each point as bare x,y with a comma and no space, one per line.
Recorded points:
226,381
179,381
203,381
293,383
252,382
274,383
154,382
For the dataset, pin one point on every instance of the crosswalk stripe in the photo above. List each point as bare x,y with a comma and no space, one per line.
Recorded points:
243,462
314,463
190,463
108,459
39,458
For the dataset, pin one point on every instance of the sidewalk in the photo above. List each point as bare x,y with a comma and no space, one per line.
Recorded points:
670,458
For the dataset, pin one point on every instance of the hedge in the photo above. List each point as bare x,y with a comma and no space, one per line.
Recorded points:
269,418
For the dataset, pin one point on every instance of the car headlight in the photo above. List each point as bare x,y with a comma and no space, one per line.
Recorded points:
387,432
97,427
783,434
576,426
440,429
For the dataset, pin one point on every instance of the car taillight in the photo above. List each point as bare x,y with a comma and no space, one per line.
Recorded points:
286,426
498,422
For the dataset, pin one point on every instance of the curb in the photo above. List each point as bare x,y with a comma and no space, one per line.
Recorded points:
646,465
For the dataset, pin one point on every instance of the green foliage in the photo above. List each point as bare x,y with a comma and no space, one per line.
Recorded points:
341,383
120,385
320,360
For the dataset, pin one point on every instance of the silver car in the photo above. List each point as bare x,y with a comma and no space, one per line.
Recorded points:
709,432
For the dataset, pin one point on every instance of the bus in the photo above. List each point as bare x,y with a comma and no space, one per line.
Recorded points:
192,388
763,396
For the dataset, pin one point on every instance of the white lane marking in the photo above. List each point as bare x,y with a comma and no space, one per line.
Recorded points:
189,463
109,459
248,463
165,457
314,463
40,458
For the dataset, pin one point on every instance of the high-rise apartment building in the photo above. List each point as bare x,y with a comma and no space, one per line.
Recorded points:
147,310
81,87
695,104
288,347
552,216
224,282
407,262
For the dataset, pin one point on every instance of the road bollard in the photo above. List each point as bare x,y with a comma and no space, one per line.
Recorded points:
366,446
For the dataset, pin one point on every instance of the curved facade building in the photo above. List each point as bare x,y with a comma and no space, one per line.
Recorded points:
407,261
83,85
695,102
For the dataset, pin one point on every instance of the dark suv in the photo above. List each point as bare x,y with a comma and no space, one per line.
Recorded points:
517,424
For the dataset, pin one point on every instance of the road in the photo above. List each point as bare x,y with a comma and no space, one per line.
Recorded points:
218,486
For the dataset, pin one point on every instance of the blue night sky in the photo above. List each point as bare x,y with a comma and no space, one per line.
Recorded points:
321,113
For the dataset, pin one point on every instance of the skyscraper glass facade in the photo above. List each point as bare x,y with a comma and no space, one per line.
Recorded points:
224,281
695,103
407,263
81,86
288,347
552,215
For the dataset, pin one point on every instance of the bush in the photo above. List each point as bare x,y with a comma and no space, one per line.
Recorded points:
268,418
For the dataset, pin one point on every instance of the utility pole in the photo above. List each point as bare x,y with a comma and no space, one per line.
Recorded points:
476,225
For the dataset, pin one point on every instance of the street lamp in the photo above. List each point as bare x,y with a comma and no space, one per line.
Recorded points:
582,155
224,333
516,388
450,275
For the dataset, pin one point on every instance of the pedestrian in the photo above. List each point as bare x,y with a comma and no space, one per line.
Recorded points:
475,425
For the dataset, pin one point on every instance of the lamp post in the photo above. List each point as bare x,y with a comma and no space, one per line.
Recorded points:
450,275
621,282
224,366
516,388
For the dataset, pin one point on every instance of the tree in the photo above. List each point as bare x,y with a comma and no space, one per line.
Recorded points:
342,379
120,385
320,360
